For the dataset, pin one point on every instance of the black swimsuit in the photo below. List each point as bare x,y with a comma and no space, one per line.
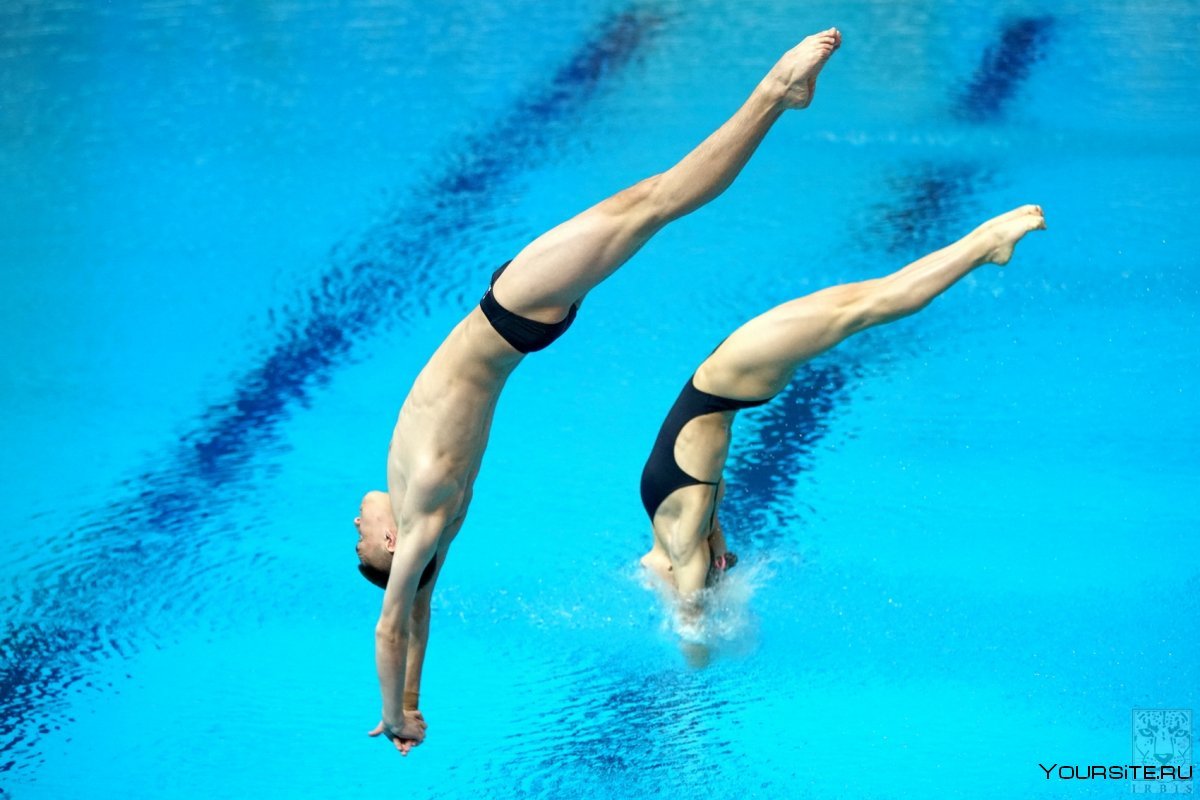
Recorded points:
524,334
662,473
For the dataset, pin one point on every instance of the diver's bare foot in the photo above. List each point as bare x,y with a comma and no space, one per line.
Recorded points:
795,75
1000,234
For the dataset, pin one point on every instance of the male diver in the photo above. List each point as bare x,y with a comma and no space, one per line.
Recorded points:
443,425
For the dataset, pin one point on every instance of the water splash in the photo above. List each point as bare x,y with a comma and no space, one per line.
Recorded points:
728,626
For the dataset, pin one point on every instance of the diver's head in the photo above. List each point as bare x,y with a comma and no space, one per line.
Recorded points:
376,537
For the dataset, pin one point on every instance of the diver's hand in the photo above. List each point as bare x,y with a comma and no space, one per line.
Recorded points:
405,736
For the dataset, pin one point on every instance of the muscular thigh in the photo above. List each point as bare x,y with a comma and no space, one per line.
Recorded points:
562,265
758,359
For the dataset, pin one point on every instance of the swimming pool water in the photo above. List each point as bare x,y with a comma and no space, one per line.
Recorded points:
233,233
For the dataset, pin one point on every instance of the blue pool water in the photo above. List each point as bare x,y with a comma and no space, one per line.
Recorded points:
232,233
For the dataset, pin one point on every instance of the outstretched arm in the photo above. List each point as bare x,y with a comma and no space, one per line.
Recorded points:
688,544
690,567
418,636
562,265
401,625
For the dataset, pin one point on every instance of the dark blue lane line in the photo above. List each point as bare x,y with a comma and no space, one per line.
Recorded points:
95,607
1021,44
634,730
922,200
762,475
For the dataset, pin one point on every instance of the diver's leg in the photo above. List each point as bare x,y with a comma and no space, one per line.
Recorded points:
563,264
758,359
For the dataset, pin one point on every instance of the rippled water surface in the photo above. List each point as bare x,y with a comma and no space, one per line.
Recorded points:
232,233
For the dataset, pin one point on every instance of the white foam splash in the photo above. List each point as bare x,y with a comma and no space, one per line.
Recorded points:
728,625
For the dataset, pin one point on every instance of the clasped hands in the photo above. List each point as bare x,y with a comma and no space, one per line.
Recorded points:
405,736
